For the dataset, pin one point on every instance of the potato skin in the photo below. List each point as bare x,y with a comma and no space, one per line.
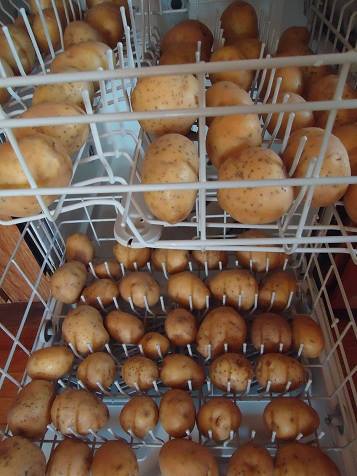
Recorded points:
150,343
137,285
279,369
79,31
79,410
53,30
23,46
70,458
232,283
221,415
289,416
181,456
85,56
79,248
131,257
115,458
282,283
307,332
101,271
173,260
177,413
50,363
183,285
181,327
211,258
97,367
239,20
242,78
140,415
271,330
233,368
292,80
4,93
123,327
293,35
349,201
30,412
105,18
106,289
140,371
177,369
18,456
222,325
68,281
250,460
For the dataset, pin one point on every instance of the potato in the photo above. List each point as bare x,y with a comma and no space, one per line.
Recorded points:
308,333
239,20
172,261
187,289
78,32
140,287
123,327
68,281
140,372
279,369
115,458
46,4
221,326
181,327
166,92
256,205
313,74
72,136
154,345
119,3
292,80
335,163
185,35
292,36
29,414
324,90
237,286
50,363
231,372
23,47
139,415
79,248
53,30
228,134
49,164
250,47
301,118
97,368
131,258
220,416
177,413
107,269
105,18
270,331
174,56
259,261
348,136
70,458
171,158
349,201
104,289
250,460
83,326
210,258
20,457
302,459
78,410
180,456
85,56
282,284
288,417
178,369
4,93
241,77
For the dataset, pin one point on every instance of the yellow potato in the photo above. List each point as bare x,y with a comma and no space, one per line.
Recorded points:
104,289
347,135
50,363
178,369
292,36
98,367
131,258
70,458
241,77
18,456
187,289
139,415
4,93
292,80
107,269
154,345
271,330
123,327
85,56
115,458
174,56
78,32
68,281
172,261
221,326
239,20
349,201
79,248
251,460
181,327
250,47
282,284
53,29
219,415
119,3
141,288
46,4
279,369
106,19
231,371
308,333
139,372
237,286
177,413
212,259
23,47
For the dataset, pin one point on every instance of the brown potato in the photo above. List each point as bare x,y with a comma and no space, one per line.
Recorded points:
231,372
288,417
119,3
78,410
174,56
23,47
104,289
251,460
259,261
181,327
83,326
140,372
177,413
79,31
210,258
349,201
292,80
79,248
173,261
221,326
98,367
46,4
138,286
237,285
239,20
50,363
185,286
68,281
282,284
139,415
123,327
270,331
348,136
241,77
53,29
250,47
108,269
85,56
131,258
29,414
154,345
308,333
105,18
279,369
115,458
219,415
18,456
292,36
70,458
178,369
4,93
180,455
